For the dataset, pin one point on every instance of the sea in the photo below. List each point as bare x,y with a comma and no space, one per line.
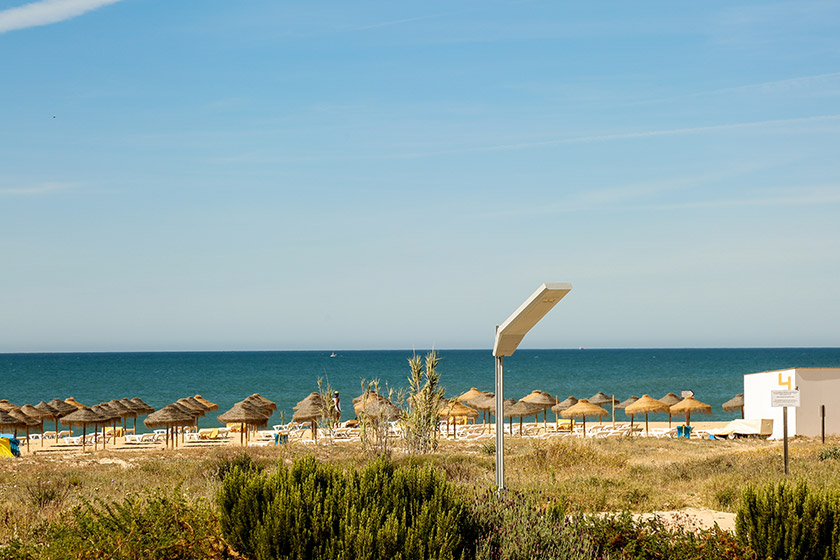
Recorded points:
286,377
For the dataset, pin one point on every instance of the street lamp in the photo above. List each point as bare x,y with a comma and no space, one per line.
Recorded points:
508,337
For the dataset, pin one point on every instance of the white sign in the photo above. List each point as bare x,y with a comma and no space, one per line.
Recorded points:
686,394
784,398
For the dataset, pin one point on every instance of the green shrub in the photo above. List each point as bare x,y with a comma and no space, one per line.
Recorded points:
225,465
314,510
160,527
832,452
621,536
790,521
518,527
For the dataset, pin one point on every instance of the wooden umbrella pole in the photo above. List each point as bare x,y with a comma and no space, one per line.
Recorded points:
84,430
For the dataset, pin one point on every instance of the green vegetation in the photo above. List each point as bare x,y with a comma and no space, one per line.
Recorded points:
425,395
76,506
787,521
315,510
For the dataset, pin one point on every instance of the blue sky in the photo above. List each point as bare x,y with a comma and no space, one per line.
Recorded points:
354,175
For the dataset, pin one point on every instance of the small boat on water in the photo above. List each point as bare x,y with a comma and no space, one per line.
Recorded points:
333,355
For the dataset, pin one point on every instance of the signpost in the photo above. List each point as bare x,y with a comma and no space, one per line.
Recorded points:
785,399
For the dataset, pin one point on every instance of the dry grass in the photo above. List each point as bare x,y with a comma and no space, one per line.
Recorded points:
586,475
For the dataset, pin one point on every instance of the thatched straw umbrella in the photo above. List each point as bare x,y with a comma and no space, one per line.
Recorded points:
245,415
569,402
197,409
83,417
137,408
310,409
735,403
624,404
689,405
262,402
519,409
63,409
584,408
125,411
26,420
205,402
602,399
74,402
138,401
484,403
8,422
6,406
378,407
455,409
37,414
110,415
646,404
168,417
670,399
543,399
50,412
469,395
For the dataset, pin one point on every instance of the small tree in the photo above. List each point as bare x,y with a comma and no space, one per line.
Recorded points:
424,398
375,415
329,413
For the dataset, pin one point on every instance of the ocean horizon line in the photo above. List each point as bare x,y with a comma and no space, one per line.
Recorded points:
412,350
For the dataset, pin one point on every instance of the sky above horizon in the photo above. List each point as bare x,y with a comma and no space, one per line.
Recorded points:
374,175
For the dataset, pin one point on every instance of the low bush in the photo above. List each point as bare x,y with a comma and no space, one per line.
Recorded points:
223,466
516,527
161,527
315,510
623,537
790,521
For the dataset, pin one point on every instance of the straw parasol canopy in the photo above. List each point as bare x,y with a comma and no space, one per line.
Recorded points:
563,405
522,408
670,399
245,414
689,405
625,403
310,410
584,408
377,407
456,409
543,399
601,398
205,402
138,401
9,422
646,404
26,420
38,415
6,406
62,407
735,403
83,417
168,417
74,402
262,402
469,395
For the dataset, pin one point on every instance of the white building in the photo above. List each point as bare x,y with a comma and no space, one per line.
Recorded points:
817,387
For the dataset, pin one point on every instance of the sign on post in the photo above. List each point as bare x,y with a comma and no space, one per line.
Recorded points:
784,398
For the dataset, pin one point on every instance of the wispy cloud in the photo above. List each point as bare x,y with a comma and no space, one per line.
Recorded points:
801,196
46,12
39,189
392,22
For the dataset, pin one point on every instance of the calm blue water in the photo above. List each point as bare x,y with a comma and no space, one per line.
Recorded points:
159,378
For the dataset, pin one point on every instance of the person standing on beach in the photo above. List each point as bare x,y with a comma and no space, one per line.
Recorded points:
337,406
